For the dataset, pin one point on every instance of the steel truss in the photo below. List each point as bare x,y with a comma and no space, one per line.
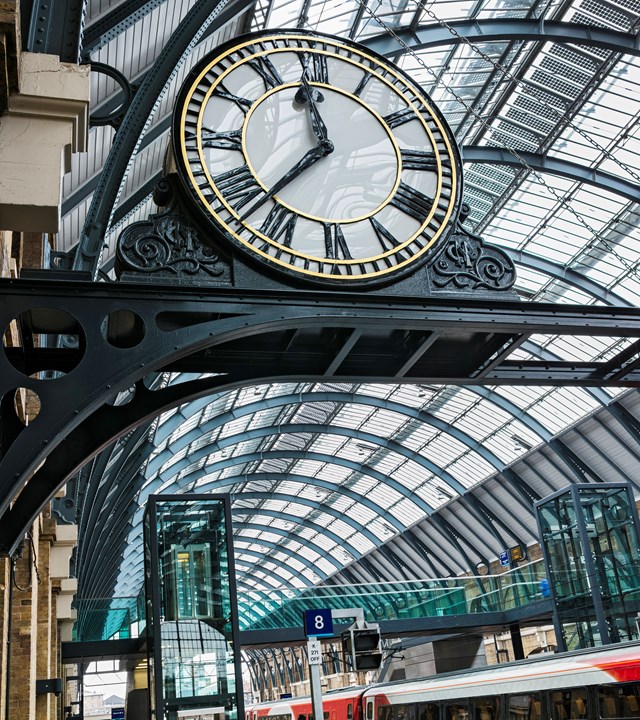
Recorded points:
129,334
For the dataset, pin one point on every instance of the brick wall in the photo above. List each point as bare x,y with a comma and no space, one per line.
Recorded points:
33,647
24,632
46,654
34,638
4,626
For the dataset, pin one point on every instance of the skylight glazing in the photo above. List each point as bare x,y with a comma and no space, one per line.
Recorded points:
343,471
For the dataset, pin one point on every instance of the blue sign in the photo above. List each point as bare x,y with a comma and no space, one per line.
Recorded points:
504,558
117,713
318,623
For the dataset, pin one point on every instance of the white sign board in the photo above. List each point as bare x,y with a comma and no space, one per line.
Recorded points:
210,713
313,652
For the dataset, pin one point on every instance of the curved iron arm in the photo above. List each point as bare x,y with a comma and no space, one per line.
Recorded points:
186,36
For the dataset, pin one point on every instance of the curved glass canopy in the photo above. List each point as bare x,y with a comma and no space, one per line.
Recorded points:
335,483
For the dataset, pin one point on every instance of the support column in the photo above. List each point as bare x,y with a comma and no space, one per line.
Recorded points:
516,642
4,632
66,537
47,636
5,271
32,249
7,267
22,689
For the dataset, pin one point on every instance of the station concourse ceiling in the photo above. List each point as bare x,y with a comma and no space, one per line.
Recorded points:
355,483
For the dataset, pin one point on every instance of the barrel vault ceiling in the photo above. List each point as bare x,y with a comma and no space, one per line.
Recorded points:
344,483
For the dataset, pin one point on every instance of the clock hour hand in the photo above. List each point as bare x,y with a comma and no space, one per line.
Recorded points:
319,128
324,147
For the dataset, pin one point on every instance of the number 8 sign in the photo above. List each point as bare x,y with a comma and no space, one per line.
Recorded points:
318,623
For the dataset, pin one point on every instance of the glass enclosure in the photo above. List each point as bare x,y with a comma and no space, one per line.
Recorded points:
194,660
591,546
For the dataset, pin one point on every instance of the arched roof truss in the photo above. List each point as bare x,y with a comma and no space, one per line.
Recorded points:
386,482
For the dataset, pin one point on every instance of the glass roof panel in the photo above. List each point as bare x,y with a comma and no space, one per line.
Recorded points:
567,102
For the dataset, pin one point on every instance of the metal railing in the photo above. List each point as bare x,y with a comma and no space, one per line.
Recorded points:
102,619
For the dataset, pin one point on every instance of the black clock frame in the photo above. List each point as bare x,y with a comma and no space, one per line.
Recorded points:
221,241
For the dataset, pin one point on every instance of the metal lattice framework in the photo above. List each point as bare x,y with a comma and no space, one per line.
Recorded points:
341,477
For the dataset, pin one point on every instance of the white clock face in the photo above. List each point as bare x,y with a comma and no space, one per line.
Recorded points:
316,157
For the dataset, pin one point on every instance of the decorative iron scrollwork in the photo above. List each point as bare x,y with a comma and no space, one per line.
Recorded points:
467,263
167,245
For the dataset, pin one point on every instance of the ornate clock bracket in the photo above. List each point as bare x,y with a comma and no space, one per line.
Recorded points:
467,265
168,247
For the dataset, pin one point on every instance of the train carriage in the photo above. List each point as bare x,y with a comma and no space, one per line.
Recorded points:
601,684
587,684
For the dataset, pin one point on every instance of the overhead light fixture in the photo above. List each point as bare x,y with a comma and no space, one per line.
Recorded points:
424,390
520,443
362,447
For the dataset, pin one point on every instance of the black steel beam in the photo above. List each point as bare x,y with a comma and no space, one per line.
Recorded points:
246,336
115,22
541,30
537,612
53,27
93,651
489,622
555,166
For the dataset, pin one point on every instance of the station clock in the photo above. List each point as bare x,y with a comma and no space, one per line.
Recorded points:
316,157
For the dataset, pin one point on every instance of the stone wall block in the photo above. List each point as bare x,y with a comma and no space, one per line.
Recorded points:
46,121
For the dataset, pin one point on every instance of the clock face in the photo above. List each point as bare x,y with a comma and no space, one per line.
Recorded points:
317,157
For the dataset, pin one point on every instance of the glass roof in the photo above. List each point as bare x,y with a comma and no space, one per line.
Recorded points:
324,474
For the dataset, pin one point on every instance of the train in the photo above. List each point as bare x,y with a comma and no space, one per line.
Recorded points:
594,684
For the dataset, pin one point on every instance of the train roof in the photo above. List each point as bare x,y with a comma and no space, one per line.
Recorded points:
571,669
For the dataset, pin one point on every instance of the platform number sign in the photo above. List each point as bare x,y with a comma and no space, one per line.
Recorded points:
318,623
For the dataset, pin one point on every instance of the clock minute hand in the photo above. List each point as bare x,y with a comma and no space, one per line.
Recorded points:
311,157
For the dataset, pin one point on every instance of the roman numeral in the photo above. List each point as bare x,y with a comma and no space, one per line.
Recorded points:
334,242
315,67
278,222
412,202
418,160
242,102
225,140
385,238
238,186
400,117
267,71
362,84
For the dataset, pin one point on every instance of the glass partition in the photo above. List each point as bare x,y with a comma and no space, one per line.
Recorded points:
591,546
194,659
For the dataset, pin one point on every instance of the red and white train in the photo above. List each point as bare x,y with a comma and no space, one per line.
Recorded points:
588,684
